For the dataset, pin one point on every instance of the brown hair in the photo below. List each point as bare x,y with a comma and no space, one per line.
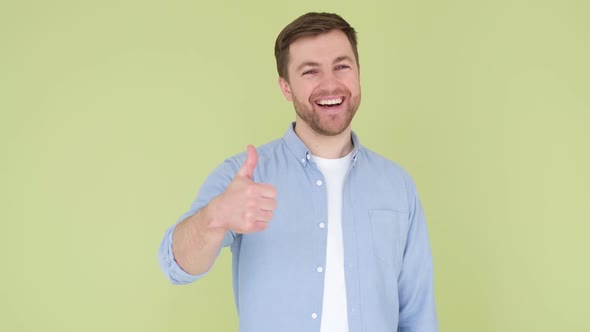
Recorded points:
310,24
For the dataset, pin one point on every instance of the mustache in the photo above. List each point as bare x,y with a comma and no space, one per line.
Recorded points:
327,93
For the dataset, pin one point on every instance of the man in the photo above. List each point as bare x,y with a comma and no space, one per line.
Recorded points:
326,235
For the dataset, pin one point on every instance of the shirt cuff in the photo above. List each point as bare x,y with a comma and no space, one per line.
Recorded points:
170,267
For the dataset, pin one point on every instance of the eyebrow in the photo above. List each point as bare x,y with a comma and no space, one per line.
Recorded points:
343,58
315,64
307,63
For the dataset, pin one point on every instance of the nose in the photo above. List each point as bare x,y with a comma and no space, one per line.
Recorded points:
329,81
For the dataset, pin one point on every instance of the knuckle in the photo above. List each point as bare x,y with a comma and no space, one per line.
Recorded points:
250,204
248,216
251,190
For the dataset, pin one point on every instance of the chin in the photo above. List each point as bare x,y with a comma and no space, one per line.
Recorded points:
330,130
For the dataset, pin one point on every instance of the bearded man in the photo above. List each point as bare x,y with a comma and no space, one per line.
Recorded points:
326,235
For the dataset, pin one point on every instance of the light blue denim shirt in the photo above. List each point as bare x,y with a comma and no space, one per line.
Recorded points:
276,280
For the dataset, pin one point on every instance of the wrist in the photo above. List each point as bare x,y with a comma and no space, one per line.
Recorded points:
210,215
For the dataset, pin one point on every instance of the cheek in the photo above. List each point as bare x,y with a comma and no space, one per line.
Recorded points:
354,87
353,79
302,93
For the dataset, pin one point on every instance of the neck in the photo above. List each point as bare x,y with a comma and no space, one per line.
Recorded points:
329,147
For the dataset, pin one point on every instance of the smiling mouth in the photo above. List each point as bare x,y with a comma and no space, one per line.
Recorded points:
330,102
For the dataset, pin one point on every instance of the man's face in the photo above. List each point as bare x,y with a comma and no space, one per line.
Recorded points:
323,82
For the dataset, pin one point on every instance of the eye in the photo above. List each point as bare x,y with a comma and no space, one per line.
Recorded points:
341,67
309,72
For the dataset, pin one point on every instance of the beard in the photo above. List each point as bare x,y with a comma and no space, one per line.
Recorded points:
327,124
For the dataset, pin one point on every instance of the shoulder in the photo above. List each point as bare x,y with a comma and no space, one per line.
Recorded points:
385,169
376,161
269,154
265,153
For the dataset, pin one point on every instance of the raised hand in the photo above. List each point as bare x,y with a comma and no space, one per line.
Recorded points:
245,206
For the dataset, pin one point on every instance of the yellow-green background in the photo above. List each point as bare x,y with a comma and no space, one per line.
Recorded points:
113,112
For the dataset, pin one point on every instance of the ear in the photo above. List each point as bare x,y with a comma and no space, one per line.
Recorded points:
285,88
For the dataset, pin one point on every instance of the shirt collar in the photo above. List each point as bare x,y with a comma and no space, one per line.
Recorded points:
302,153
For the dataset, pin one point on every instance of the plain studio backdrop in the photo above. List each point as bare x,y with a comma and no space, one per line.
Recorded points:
114,112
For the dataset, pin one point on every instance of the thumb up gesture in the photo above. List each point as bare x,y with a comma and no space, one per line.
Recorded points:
245,206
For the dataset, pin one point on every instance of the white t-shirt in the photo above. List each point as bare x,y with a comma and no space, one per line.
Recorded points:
334,312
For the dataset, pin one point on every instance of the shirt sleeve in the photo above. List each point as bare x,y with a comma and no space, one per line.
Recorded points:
416,286
213,186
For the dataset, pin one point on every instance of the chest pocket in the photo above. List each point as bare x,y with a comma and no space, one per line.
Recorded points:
389,230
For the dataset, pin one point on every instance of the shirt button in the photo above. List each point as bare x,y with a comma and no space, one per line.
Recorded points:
308,156
314,315
322,225
320,269
318,182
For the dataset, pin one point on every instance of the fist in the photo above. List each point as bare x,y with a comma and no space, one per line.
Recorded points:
245,206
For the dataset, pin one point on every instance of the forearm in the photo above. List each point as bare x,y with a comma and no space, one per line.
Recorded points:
195,243
228,204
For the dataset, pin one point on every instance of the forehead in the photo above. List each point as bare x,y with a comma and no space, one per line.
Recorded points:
321,48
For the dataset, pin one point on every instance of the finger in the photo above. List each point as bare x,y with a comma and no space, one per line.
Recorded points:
264,216
249,164
266,190
258,226
266,204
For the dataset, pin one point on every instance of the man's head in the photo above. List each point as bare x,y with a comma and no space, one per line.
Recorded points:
310,24
317,60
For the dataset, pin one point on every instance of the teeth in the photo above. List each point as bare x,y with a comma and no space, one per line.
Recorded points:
330,101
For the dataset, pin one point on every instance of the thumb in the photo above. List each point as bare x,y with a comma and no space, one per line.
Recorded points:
249,165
